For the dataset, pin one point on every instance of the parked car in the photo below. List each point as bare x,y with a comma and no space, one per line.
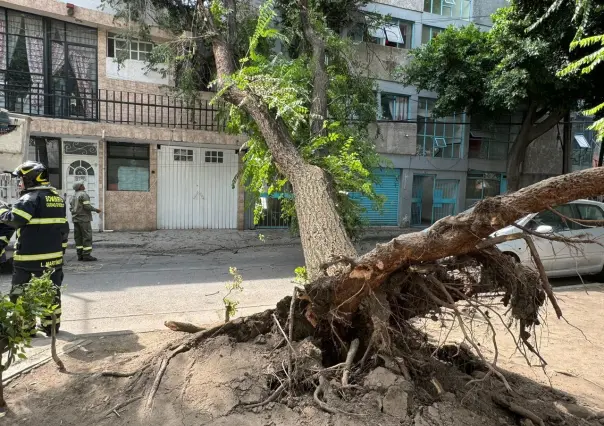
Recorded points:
561,259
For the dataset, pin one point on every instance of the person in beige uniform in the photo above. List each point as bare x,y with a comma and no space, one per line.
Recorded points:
81,215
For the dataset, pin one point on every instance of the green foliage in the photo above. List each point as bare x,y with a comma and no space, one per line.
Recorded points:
503,70
284,84
230,306
16,318
587,64
301,275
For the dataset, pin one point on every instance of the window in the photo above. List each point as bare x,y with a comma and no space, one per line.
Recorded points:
41,56
482,185
120,47
457,9
485,146
394,107
590,212
440,137
183,155
214,156
428,33
48,152
127,167
558,223
397,33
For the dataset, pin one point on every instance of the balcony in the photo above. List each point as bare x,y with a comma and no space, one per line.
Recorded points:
116,107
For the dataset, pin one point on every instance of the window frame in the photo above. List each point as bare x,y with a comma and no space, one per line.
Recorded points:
184,155
371,37
111,156
454,142
113,49
209,154
591,206
398,95
433,33
464,12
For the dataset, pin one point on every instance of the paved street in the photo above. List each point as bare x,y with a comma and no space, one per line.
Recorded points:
129,290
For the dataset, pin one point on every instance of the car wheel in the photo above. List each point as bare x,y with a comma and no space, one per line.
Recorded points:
600,276
513,256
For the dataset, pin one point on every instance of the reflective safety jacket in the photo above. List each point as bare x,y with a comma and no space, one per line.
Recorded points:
42,229
81,209
6,232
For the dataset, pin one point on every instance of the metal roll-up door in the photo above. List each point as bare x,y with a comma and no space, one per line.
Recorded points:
389,187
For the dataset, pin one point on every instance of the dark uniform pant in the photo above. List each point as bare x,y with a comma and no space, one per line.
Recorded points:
21,277
82,232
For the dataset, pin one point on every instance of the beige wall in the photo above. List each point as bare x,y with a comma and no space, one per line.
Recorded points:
395,138
134,210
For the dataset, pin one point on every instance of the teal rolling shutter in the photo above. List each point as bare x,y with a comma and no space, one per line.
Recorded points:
388,187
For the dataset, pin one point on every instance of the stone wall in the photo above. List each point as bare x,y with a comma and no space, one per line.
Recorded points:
380,61
395,138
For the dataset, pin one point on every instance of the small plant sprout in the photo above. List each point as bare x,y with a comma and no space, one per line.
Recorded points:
230,306
301,275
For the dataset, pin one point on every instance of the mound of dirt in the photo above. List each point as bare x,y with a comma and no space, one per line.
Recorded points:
214,382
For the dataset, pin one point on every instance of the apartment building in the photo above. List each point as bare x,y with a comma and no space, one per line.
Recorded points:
149,160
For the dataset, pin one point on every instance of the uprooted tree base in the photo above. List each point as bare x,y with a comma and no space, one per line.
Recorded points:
336,330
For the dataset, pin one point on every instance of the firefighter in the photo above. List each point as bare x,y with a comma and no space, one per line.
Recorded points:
6,233
81,215
42,232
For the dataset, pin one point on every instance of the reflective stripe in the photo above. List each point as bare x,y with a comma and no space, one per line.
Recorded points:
64,245
3,211
5,239
48,221
85,202
86,248
79,247
21,213
45,256
2,252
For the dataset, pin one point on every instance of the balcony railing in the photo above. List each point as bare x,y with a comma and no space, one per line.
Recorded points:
116,107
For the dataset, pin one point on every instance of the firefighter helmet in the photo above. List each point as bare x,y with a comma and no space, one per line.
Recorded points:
32,173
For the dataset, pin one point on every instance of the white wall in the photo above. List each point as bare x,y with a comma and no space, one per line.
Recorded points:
134,71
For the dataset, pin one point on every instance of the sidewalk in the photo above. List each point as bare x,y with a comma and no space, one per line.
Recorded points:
207,241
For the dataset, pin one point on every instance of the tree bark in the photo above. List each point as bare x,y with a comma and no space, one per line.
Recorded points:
321,228
530,130
342,294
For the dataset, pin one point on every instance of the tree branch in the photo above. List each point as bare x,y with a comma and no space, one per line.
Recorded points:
318,107
542,127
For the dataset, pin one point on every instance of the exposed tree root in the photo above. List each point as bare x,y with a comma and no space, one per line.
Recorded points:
53,344
160,373
354,347
268,400
317,397
185,327
517,409
119,373
115,410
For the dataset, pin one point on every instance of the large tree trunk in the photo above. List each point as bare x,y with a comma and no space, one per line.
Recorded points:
321,230
532,128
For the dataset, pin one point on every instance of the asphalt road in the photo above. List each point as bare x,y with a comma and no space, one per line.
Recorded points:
129,290
132,291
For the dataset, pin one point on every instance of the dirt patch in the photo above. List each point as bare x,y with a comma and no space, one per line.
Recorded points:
212,382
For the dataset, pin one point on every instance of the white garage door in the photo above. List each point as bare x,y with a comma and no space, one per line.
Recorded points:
195,188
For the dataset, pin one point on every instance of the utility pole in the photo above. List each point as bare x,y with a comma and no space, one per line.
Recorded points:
601,154
567,147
